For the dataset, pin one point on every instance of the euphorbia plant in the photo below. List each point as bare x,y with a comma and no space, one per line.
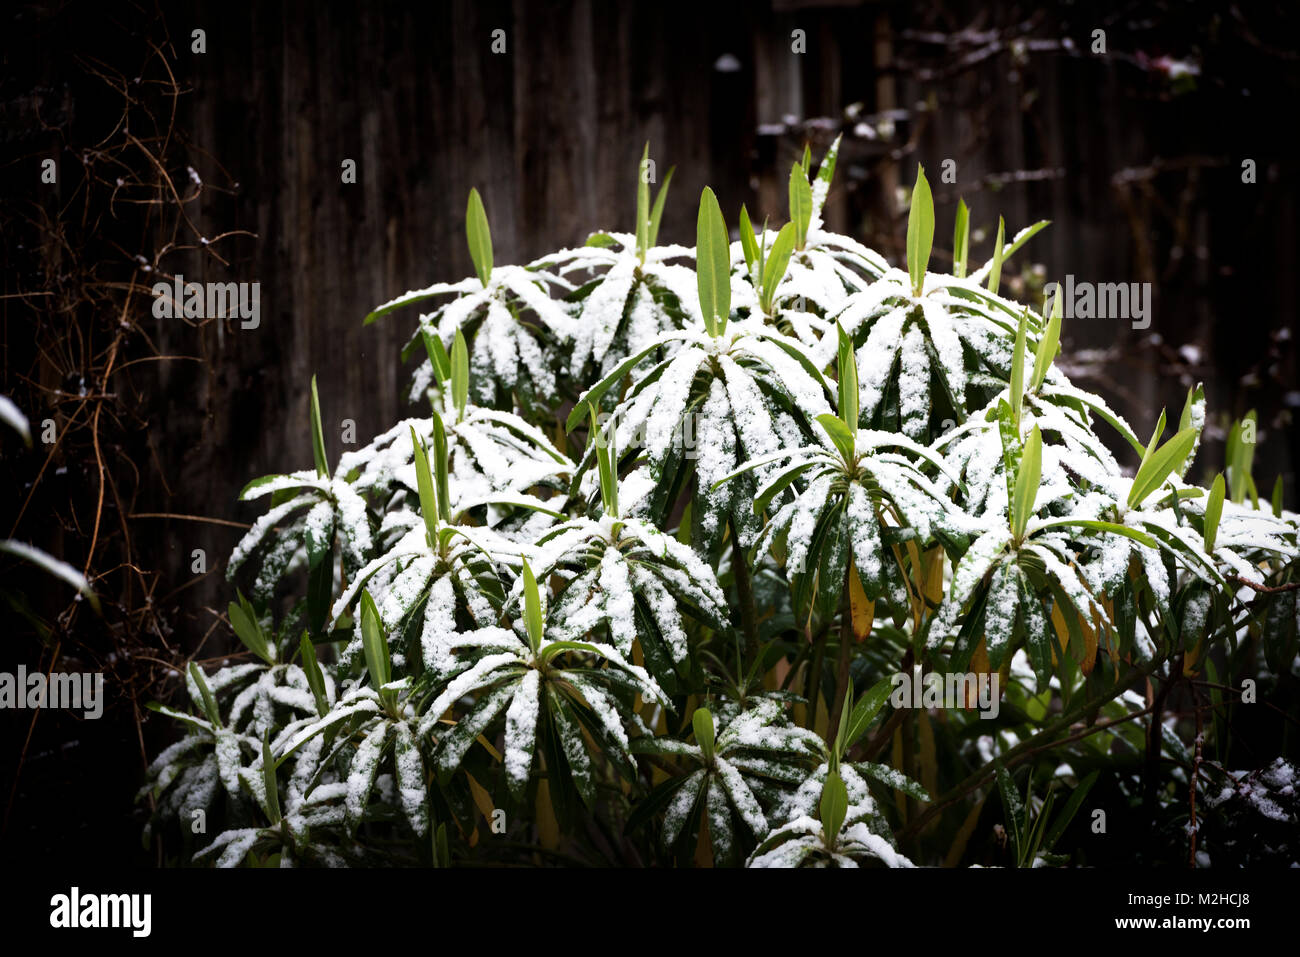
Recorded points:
629,653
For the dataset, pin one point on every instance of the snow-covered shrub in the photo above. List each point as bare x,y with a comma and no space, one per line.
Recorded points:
638,586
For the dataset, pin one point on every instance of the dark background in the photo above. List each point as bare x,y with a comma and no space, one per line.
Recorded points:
1135,155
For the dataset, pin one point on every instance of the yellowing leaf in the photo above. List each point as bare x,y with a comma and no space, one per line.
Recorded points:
1089,645
934,562
482,800
967,828
863,608
1061,628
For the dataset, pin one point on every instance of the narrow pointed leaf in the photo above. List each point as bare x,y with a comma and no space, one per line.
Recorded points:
1160,465
1047,344
712,264
961,240
702,723
657,211
748,244
643,204
424,486
800,204
208,702
268,780
777,261
374,644
920,231
995,272
1026,492
532,607
315,678
834,806
318,435
1213,512
839,434
459,374
1018,369
243,619
848,381
479,237
865,711
440,477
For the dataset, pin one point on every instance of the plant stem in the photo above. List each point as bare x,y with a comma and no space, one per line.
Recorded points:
814,684
745,592
842,677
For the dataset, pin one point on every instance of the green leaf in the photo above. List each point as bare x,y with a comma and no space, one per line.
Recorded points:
866,709
995,273
848,380
1098,526
1017,386
1069,811
315,677
248,629
1160,465
1213,512
607,465
826,172
1012,805
1009,435
748,244
1156,436
1276,501
920,231
438,357
777,261
800,204
834,807
657,212
459,374
440,469
1240,456
318,435
713,264
591,398
441,851
839,434
424,485
1194,395
479,236
1023,237
702,723
1047,344
208,702
961,240
532,608
268,780
374,644
1193,410
837,748
1026,492
643,204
